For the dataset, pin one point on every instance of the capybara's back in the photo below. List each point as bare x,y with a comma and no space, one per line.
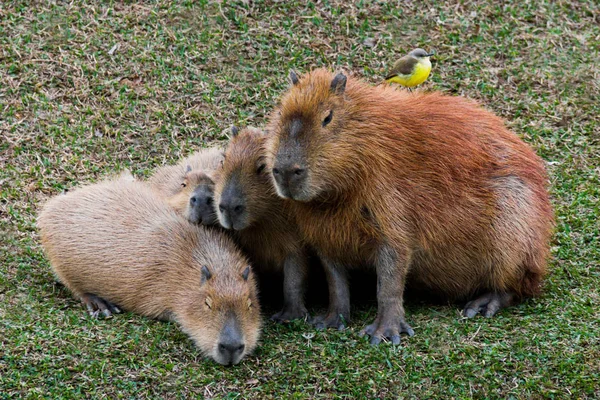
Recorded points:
119,242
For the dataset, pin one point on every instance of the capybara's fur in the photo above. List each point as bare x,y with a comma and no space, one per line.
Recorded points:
420,185
119,242
248,205
188,185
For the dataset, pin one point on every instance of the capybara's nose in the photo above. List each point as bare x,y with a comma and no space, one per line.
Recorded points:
234,209
231,342
193,201
289,176
231,350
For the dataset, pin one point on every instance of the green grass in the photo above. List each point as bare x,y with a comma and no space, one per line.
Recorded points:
87,88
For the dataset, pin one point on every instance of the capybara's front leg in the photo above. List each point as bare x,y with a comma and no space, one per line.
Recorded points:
295,269
97,305
338,313
391,277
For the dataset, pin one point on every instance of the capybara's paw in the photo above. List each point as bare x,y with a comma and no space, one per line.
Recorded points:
288,314
329,321
97,305
384,331
488,304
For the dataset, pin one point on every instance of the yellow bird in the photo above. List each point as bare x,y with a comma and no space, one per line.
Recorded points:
412,69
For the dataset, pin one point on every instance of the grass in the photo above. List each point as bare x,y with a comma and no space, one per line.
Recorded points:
87,88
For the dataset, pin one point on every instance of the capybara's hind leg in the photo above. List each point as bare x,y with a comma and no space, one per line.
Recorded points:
97,305
489,304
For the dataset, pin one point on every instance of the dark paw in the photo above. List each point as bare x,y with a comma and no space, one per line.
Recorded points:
97,305
336,321
379,332
289,314
488,304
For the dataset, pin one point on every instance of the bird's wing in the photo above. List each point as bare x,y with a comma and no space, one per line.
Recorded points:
403,66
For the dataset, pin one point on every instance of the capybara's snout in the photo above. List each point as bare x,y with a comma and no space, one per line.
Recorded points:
290,179
200,208
231,347
232,208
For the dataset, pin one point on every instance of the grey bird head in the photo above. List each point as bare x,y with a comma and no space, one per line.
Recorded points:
420,53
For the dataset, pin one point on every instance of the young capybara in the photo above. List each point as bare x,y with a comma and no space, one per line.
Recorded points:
188,185
118,245
425,187
247,203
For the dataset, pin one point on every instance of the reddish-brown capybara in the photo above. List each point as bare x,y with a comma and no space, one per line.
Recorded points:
118,245
247,204
188,185
422,186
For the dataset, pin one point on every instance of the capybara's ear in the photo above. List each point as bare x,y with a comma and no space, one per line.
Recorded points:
246,273
234,131
338,84
206,275
294,77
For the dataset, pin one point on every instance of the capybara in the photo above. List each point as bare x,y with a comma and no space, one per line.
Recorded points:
247,203
118,245
188,185
425,187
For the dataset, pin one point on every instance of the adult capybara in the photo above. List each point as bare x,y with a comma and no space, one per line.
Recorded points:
118,245
247,203
424,187
188,185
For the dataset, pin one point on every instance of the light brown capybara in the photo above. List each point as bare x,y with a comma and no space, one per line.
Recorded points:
248,205
188,185
422,186
118,245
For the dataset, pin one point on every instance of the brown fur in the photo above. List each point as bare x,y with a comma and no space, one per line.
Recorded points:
191,180
167,180
269,237
460,200
120,241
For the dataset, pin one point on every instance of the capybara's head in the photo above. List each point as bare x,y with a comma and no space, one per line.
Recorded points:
223,316
308,150
195,199
243,189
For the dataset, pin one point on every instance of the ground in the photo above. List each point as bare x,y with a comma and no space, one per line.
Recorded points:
87,88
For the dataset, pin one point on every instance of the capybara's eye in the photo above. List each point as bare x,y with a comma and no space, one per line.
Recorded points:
328,118
208,303
260,168
183,184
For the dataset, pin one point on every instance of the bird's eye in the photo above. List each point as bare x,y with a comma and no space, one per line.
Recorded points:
328,118
260,168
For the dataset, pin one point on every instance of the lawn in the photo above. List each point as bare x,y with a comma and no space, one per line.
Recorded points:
87,88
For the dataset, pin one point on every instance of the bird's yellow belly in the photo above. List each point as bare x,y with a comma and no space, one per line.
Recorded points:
419,75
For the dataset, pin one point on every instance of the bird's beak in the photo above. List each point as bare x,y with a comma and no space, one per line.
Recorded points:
431,54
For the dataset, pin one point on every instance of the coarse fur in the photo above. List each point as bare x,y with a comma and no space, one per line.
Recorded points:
188,185
426,187
263,227
119,242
